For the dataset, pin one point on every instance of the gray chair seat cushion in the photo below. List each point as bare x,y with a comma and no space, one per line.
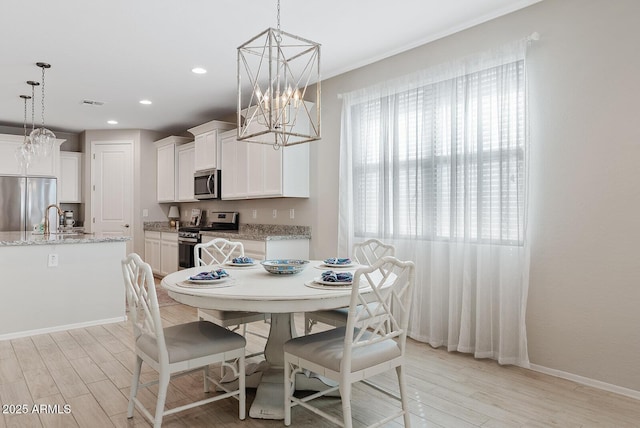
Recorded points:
192,340
327,349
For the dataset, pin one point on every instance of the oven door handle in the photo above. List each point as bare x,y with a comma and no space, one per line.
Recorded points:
188,240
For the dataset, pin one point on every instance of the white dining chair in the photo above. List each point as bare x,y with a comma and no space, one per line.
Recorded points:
365,253
176,350
218,252
372,342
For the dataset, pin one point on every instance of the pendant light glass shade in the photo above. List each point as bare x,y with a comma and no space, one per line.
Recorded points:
44,140
25,152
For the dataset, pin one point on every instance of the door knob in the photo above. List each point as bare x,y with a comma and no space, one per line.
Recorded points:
126,225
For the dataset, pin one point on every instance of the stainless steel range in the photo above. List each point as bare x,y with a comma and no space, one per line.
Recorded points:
189,236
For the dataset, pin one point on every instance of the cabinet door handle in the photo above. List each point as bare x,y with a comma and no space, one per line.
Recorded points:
126,225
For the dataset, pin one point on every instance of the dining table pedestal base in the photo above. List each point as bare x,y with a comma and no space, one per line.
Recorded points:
269,401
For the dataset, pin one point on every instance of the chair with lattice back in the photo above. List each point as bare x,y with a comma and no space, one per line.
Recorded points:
372,342
218,252
176,350
364,253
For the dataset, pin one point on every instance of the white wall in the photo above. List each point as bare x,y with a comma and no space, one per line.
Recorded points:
583,315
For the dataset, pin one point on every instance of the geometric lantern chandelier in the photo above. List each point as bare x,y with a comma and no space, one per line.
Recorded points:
277,101
42,138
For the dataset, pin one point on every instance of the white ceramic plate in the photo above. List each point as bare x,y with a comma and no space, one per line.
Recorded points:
201,285
344,265
240,264
334,283
207,281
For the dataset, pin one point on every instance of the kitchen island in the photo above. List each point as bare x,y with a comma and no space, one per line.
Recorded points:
59,281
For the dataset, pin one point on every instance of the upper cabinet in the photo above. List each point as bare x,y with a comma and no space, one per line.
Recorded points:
253,170
69,186
207,149
47,166
167,171
185,155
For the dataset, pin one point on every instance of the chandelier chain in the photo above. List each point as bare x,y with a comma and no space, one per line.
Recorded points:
278,16
25,119
33,106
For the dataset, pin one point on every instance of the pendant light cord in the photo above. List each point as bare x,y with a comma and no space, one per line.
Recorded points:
43,96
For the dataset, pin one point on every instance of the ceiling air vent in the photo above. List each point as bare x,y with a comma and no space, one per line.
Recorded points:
92,103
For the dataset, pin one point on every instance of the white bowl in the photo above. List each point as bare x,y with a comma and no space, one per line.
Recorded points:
284,266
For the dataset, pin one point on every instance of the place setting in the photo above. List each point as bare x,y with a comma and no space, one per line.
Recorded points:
242,263
208,279
333,280
337,263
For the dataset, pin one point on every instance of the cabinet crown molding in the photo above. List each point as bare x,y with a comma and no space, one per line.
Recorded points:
211,126
172,140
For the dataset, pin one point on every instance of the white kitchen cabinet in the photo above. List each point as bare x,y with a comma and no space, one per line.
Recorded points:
207,149
70,182
235,173
152,250
161,251
47,166
255,170
271,248
186,167
168,253
167,170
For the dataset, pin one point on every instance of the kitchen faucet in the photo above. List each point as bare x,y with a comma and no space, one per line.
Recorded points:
46,217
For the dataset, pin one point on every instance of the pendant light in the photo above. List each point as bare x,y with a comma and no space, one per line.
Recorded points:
26,151
276,102
41,137
33,85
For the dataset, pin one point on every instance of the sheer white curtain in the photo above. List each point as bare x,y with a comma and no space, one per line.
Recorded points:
436,164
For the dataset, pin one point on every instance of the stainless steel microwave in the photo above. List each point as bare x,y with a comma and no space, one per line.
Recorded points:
206,184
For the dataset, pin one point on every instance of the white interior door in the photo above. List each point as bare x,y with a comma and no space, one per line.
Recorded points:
112,189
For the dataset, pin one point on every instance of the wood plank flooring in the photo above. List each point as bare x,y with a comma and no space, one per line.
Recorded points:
89,370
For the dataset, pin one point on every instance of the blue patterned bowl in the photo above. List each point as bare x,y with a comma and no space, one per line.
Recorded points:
284,266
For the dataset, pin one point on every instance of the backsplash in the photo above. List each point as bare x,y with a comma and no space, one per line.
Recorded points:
275,229
262,208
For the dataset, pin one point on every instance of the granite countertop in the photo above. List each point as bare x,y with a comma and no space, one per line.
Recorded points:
253,232
159,226
29,238
264,232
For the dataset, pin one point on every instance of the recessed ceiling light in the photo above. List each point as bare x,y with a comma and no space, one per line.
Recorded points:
199,70
145,102
112,122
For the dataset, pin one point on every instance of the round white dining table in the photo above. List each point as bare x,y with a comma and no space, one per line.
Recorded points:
252,288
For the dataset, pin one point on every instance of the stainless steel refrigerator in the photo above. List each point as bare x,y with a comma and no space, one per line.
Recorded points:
23,201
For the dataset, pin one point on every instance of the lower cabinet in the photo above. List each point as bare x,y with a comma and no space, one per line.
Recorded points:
271,248
161,251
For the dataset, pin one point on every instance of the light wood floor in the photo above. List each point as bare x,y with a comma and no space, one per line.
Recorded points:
90,370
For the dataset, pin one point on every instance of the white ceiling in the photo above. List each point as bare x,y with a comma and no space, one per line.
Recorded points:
121,51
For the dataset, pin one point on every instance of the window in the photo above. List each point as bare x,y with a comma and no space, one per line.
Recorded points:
443,161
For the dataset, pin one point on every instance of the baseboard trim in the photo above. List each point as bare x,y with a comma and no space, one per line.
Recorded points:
632,393
27,333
